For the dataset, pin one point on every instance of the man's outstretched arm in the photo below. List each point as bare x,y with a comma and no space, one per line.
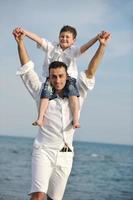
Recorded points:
23,55
27,73
95,61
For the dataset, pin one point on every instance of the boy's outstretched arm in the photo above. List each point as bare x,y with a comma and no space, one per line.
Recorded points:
87,45
30,35
95,61
33,37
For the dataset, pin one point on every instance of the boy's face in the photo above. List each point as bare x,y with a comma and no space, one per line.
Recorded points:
58,78
66,40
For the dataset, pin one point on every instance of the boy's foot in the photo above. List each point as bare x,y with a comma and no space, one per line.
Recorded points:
35,123
76,124
38,123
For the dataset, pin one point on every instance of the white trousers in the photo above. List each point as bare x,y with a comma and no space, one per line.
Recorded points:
50,171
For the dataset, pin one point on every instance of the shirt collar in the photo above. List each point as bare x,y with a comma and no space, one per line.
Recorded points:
54,95
58,46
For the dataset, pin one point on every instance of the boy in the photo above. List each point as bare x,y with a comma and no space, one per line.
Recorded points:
66,52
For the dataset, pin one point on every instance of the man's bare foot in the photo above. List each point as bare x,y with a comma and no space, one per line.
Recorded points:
39,123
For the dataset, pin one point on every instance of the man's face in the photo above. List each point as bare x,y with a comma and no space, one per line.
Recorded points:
66,40
58,78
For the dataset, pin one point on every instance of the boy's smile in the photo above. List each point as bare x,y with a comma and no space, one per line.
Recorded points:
66,40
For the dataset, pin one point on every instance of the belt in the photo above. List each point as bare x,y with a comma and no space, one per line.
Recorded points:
66,149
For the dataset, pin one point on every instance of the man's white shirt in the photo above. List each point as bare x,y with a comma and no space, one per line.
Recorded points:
58,118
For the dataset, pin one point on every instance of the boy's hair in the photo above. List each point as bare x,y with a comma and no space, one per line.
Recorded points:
70,29
57,64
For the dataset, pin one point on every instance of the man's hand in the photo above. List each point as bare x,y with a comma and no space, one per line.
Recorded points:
18,34
95,61
104,37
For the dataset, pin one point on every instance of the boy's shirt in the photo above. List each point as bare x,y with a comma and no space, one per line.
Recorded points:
53,52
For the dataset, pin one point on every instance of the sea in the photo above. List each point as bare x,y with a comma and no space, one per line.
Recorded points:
100,171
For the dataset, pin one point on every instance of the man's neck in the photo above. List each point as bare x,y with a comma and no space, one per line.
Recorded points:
60,93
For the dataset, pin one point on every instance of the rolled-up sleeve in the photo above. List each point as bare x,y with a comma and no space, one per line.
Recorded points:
88,83
75,51
84,84
30,79
44,46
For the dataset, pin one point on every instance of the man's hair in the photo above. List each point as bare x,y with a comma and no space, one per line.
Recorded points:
57,64
69,29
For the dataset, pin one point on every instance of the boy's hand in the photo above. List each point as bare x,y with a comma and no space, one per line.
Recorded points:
104,36
18,34
17,31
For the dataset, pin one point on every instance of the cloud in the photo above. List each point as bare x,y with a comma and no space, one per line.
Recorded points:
121,43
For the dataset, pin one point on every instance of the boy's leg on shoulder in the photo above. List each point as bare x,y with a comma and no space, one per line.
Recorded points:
44,100
41,112
73,95
74,105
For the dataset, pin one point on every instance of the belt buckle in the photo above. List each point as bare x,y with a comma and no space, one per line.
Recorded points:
66,149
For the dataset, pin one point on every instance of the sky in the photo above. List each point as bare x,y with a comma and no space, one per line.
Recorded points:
108,109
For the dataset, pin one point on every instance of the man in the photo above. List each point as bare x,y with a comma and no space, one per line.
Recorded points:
53,149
